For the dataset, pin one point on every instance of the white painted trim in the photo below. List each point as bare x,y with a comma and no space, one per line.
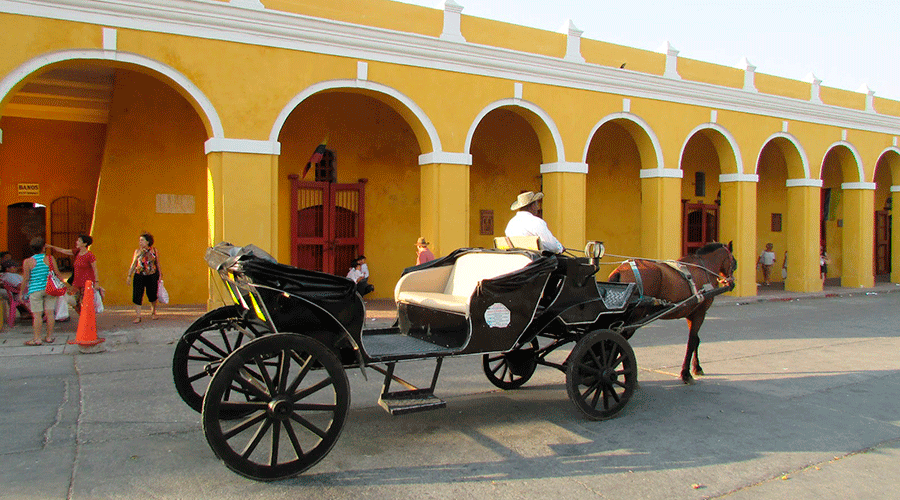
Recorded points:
362,70
520,103
564,166
816,183
109,38
219,144
24,70
219,21
739,163
573,43
657,148
887,150
366,84
895,189
452,16
670,173
868,186
793,140
445,158
853,151
723,178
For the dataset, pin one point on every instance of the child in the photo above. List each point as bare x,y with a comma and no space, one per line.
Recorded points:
766,260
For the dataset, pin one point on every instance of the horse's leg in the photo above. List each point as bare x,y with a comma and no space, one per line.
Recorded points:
694,321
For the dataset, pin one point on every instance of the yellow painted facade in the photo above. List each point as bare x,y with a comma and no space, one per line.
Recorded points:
188,126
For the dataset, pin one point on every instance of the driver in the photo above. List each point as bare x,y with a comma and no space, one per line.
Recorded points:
527,221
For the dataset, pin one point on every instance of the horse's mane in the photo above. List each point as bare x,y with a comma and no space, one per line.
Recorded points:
709,248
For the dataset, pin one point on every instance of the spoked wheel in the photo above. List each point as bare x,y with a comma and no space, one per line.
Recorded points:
511,369
601,374
204,346
299,395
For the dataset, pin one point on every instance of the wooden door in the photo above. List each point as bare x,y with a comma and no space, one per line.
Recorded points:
700,225
327,228
882,242
24,221
68,220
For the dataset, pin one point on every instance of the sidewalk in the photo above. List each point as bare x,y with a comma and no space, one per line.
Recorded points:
115,324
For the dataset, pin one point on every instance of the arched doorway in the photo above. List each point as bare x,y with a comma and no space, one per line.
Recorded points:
888,163
700,193
24,221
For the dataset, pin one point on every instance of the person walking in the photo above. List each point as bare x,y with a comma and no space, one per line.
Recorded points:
766,260
144,275
84,267
34,283
423,254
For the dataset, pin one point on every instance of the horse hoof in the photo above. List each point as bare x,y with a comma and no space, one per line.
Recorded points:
687,379
699,372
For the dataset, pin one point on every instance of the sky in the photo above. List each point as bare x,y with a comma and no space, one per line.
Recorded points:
846,44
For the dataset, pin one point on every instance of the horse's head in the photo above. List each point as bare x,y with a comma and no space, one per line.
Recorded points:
719,258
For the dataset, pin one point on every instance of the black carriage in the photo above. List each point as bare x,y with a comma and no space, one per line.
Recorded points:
268,372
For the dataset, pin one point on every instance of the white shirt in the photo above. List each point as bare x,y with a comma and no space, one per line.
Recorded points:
14,279
365,270
768,258
355,274
527,224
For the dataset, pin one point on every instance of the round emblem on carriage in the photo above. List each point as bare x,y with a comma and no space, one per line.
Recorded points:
497,316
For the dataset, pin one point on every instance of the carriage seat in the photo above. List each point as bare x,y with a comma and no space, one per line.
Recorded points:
450,288
510,242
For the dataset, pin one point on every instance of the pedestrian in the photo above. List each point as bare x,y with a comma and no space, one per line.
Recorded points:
527,221
355,274
766,260
145,272
823,264
784,266
36,269
423,254
363,286
84,267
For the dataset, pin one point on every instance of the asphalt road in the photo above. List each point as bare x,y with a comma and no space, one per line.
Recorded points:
800,401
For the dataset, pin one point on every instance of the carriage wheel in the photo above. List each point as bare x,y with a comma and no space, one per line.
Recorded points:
203,347
601,374
300,399
512,369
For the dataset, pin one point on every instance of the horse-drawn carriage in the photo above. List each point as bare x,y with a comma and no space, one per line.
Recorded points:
268,371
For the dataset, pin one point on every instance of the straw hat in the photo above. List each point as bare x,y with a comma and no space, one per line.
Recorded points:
525,199
421,242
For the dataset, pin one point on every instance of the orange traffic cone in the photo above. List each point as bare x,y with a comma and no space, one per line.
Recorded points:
86,337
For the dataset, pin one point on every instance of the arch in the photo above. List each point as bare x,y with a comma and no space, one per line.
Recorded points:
892,155
208,114
799,153
544,126
422,126
856,157
722,139
635,125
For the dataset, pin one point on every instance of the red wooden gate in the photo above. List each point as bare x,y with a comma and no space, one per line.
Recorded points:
327,224
882,242
700,226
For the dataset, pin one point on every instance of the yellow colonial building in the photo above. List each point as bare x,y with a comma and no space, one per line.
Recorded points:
188,119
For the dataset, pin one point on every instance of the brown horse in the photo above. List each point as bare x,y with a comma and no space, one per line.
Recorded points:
713,264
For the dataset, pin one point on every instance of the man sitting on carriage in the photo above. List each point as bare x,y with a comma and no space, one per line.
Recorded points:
527,221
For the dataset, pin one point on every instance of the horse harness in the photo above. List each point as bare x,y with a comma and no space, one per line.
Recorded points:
677,266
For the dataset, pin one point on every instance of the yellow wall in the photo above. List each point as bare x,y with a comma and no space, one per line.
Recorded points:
154,145
700,156
63,158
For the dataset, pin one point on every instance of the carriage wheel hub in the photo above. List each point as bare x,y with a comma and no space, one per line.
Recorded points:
280,408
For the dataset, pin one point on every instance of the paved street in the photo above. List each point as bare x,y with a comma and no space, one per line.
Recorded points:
799,401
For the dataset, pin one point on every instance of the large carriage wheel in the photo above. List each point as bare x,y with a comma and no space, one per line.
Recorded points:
300,399
512,369
601,374
204,345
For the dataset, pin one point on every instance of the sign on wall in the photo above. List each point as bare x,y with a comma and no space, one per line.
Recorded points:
29,189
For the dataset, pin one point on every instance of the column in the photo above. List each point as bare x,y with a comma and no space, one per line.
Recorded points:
661,233
859,234
895,243
444,210
242,197
738,225
565,195
803,227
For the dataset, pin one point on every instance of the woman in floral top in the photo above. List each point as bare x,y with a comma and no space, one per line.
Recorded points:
146,273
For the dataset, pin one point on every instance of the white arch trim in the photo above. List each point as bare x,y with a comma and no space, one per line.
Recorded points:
358,84
817,183
895,189
867,186
739,163
793,140
551,125
29,67
888,149
657,149
856,156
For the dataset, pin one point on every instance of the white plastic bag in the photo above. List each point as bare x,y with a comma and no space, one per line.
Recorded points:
161,294
98,301
62,308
